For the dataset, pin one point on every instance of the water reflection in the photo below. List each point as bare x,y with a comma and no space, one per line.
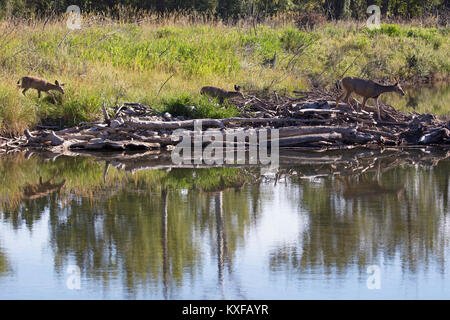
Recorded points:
228,232
4,265
422,99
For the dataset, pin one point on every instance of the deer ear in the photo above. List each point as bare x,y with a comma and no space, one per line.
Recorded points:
62,84
56,82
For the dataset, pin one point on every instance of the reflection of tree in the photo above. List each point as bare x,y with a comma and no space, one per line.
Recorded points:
355,220
137,228
164,196
4,265
134,233
222,251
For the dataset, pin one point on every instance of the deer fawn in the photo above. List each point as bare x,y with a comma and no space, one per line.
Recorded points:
222,93
367,89
39,84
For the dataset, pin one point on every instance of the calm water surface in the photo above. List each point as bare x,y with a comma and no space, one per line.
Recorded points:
310,229
422,98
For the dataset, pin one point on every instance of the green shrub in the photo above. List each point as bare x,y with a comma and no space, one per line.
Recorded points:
390,29
197,108
293,39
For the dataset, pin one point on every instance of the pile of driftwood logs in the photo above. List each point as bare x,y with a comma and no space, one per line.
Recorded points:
309,120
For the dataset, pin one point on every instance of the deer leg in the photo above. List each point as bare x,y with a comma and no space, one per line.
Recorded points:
378,108
347,96
340,98
362,108
363,104
54,99
25,90
39,93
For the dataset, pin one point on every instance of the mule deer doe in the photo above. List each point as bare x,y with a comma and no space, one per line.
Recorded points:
367,89
222,93
39,84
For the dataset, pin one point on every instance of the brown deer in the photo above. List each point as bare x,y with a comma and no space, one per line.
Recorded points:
29,82
42,189
367,89
222,94
352,189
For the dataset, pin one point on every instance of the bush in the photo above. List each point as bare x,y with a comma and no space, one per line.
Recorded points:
189,107
390,29
293,39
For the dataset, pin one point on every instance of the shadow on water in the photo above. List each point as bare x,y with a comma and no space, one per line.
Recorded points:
167,232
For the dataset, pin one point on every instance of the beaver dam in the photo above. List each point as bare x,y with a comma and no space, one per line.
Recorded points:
308,121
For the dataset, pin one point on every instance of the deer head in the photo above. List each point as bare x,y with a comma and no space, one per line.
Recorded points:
399,89
58,86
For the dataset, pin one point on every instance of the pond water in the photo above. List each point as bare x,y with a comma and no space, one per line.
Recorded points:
339,225
422,99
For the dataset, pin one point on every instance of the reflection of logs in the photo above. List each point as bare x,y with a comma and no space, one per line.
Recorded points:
352,162
313,164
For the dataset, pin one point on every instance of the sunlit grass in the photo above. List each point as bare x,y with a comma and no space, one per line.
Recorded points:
112,63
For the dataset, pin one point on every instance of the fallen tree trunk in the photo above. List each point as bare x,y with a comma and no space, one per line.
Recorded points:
435,136
308,139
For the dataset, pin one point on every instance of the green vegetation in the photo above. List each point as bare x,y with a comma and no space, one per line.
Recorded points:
163,63
200,108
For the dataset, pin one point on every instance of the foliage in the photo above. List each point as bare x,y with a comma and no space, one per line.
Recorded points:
197,108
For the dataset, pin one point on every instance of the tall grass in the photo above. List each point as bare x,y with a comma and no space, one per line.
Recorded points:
129,59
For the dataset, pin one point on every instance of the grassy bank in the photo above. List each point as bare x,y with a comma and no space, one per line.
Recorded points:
113,62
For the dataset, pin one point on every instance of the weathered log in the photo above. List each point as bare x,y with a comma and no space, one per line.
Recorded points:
172,125
28,134
435,136
81,136
105,114
308,139
117,122
67,131
55,140
320,111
